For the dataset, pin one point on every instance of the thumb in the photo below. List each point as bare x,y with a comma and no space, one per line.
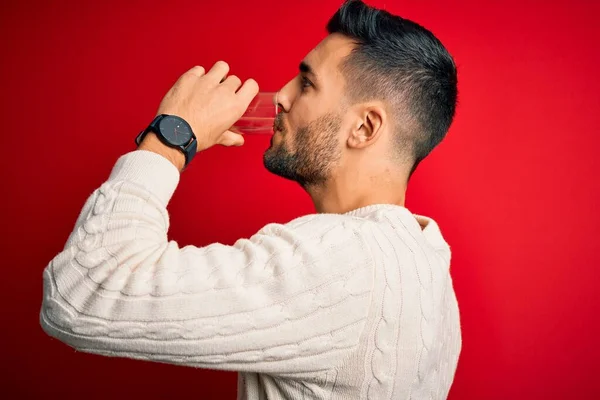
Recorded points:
229,138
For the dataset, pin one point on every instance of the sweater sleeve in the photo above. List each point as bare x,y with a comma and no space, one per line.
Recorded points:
291,299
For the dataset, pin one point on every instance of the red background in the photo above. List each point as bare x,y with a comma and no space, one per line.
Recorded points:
513,186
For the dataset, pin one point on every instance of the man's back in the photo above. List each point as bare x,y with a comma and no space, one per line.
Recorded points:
410,344
327,306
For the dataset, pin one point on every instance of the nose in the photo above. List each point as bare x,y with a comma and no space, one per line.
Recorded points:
285,97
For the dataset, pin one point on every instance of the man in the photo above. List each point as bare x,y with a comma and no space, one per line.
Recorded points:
352,302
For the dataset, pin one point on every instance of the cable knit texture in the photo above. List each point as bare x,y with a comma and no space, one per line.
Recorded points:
328,306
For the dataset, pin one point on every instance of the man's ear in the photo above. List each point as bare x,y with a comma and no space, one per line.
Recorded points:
368,126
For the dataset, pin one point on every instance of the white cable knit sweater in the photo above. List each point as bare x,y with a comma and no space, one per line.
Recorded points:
328,306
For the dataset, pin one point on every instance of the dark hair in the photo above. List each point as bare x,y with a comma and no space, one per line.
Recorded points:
406,65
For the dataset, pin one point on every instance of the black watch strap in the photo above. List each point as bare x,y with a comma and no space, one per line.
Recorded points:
189,149
153,127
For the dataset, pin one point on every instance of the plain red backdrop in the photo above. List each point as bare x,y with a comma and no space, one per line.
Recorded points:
513,186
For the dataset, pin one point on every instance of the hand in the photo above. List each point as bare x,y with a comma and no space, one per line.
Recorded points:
211,103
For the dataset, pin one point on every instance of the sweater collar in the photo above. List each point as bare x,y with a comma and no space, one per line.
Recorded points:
427,225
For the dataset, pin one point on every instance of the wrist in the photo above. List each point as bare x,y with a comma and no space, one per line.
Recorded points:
152,143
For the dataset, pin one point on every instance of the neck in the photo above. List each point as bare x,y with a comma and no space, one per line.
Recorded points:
346,193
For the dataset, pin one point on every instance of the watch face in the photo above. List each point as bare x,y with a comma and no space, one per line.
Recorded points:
175,130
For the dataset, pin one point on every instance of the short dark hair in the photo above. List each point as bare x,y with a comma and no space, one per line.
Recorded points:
405,64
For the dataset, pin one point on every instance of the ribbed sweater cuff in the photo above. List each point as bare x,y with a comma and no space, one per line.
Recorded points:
150,170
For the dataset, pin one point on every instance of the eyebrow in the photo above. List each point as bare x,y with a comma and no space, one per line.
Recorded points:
306,68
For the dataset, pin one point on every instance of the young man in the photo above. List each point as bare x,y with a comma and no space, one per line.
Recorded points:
352,302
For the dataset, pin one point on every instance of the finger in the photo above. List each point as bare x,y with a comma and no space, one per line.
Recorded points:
197,71
186,79
229,138
232,82
218,72
248,91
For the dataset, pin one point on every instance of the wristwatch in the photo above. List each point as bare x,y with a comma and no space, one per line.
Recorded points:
174,132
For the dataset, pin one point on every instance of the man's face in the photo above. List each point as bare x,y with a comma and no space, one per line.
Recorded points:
307,143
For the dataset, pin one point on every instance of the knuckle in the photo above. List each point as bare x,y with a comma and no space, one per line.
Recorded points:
187,76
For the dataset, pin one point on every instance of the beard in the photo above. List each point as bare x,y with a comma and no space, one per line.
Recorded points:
316,151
